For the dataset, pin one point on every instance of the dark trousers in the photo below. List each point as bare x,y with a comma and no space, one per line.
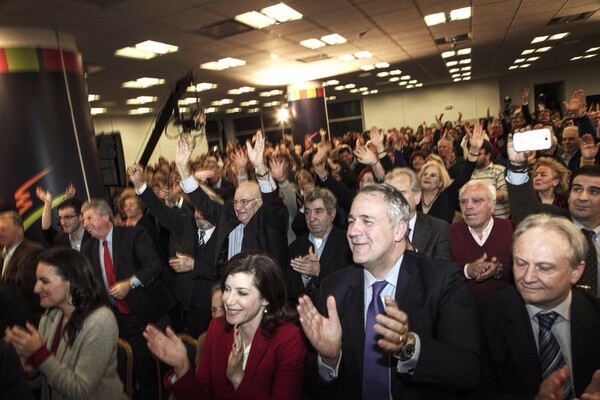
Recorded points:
146,379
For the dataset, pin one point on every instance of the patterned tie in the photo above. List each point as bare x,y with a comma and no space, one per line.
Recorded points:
589,279
551,357
111,279
201,234
376,370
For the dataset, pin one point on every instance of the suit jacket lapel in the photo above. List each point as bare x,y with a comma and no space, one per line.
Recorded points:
258,351
420,234
519,338
354,301
408,288
116,248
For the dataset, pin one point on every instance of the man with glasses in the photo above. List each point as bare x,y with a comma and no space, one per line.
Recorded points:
256,218
70,221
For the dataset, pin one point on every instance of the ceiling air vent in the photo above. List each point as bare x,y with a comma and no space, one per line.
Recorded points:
224,29
452,40
571,18
318,57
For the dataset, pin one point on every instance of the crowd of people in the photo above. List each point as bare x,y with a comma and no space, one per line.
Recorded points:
428,263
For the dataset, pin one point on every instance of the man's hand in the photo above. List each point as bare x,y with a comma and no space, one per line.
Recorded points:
240,159
589,149
136,174
256,152
482,269
307,265
70,191
278,169
182,157
377,138
120,289
320,158
553,387
203,175
44,195
365,156
592,391
476,138
393,326
575,105
517,158
181,263
324,334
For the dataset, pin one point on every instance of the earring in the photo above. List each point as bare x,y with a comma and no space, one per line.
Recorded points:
265,310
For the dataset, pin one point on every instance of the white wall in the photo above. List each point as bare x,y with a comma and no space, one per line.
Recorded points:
413,106
135,132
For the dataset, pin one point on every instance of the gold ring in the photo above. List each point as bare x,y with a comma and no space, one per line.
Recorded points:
238,349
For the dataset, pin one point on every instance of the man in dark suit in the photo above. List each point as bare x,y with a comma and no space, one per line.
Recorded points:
126,261
427,235
19,262
256,219
323,251
584,205
424,344
549,258
195,273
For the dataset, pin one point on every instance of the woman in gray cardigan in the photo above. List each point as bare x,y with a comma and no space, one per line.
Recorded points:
74,353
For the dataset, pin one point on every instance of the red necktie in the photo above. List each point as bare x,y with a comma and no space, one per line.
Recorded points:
111,279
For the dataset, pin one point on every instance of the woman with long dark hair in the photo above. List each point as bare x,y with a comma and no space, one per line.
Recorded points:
73,355
251,352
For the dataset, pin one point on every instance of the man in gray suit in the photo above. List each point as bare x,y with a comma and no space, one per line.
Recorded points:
428,235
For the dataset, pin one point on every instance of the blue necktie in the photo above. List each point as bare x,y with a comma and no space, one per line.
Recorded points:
551,357
376,369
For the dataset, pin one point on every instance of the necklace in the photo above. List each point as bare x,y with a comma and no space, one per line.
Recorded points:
428,205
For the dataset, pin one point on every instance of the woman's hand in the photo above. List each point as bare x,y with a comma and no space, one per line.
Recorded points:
235,371
168,348
25,342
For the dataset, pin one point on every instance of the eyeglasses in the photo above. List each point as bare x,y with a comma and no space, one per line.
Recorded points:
243,202
65,218
433,175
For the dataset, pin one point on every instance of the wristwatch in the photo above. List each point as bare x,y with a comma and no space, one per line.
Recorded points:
408,350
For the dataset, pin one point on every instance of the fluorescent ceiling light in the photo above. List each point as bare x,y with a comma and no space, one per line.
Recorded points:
412,81
453,70
383,74
394,79
528,51
367,67
243,89
211,110
140,111
576,58
457,79
253,110
331,82
98,110
402,83
590,55
201,87
374,91
410,86
132,52
435,19
362,89
340,87
455,75
451,63
533,58
222,102
330,98
249,103
464,52
591,49
274,92
448,54
156,47
382,65
354,91
395,72
93,97
223,63
467,68
558,36
465,61
466,74
281,13
141,100
363,54
143,83
255,19
524,65
346,57
513,67
418,85
466,78
543,49
233,110
187,101
350,86
539,39
519,60
312,43
460,13
405,77
334,38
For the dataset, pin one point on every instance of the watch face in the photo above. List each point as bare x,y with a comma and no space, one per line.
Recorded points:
407,352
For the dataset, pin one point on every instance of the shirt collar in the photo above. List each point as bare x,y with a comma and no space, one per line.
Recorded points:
391,277
563,309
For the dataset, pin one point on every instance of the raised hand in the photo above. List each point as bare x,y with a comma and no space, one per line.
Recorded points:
168,348
240,159
256,152
516,158
278,169
575,105
589,149
377,138
324,334
365,156
70,191
44,195
477,138
235,371
182,157
136,174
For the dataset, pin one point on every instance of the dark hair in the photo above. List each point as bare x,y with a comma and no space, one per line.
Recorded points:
84,289
73,203
329,199
586,170
268,279
488,148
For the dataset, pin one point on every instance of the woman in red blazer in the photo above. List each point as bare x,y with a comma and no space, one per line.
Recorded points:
252,352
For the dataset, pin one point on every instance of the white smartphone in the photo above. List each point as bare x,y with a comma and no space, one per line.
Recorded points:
537,139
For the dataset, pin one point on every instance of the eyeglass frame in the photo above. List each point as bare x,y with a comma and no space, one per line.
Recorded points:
244,202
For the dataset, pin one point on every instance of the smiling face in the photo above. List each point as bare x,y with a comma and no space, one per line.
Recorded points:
131,208
374,242
51,287
243,302
97,225
542,271
431,179
247,201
